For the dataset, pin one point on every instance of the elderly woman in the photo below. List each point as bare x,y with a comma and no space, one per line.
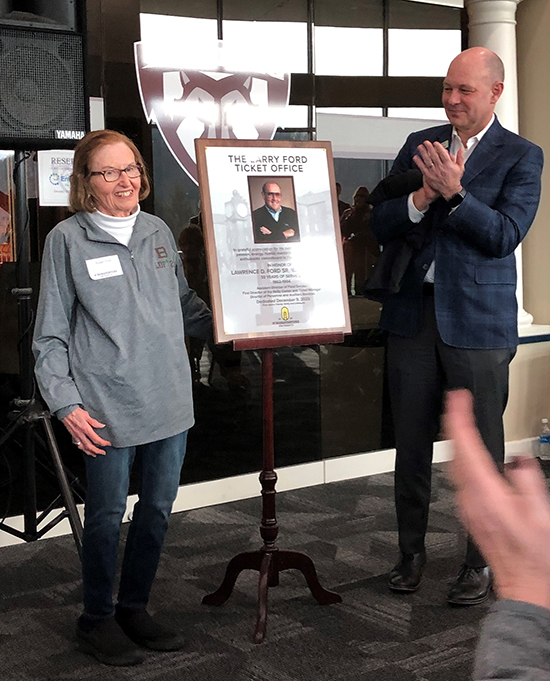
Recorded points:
111,364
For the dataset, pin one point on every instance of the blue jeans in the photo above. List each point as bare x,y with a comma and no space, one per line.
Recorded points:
108,479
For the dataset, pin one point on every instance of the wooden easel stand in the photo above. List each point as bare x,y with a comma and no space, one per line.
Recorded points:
269,560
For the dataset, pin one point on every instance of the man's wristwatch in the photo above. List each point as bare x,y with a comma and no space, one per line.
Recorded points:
457,199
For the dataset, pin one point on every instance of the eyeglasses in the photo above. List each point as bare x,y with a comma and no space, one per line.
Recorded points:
112,174
272,193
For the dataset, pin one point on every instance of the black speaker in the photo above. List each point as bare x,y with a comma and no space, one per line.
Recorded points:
42,94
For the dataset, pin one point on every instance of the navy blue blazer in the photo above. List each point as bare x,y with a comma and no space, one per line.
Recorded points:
473,247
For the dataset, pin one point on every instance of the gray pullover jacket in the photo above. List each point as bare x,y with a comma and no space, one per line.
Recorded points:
514,644
109,332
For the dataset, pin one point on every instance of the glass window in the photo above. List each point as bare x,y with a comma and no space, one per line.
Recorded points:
422,39
349,38
204,9
421,52
416,15
268,34
265,10
226,439
345,51
176,195
350,110
296,136
353,13
354,172
163,45
447,3
425,113
272,46
293,117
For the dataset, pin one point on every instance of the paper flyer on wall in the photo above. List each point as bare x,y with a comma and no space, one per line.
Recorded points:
54,170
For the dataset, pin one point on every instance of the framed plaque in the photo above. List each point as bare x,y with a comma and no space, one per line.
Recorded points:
273,240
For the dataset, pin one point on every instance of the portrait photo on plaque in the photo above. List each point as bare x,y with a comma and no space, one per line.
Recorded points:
273,242
273,203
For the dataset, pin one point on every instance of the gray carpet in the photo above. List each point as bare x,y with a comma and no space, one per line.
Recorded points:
347,528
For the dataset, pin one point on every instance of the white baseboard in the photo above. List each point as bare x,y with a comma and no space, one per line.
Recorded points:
201,494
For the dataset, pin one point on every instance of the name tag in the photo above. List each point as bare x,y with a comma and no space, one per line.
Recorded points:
103,268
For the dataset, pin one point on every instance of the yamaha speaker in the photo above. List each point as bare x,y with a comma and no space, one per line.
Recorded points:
42,100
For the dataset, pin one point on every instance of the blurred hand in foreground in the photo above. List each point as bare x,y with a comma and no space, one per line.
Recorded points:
508,516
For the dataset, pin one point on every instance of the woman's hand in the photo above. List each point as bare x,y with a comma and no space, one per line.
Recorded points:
81,427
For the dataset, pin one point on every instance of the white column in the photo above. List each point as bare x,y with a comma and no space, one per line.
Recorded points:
492,24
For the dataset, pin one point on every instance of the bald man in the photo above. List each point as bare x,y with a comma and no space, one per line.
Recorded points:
454,322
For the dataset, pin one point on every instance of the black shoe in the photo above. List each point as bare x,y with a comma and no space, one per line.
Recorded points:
141,628
471,587
109,644
405,576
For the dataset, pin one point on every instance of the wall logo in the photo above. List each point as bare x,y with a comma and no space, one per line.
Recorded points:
61,180
186,104
69,134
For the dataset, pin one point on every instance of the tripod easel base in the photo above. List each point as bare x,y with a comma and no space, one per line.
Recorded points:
269,563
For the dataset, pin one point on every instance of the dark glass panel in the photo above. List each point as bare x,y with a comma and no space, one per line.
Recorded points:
405,14
265,10
352,13
227,437
200,9
176,195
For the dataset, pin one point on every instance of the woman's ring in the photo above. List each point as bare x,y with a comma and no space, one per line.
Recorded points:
77,443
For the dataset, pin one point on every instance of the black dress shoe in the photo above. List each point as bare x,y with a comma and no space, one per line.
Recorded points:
471,587
405,576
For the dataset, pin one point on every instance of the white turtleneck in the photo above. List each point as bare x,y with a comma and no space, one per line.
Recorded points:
119,228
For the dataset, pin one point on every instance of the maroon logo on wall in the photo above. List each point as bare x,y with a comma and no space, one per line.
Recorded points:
190,104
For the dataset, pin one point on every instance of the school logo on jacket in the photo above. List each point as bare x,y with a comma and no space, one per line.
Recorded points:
216,103
163,258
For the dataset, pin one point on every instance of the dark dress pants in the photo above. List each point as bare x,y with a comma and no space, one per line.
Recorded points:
420,370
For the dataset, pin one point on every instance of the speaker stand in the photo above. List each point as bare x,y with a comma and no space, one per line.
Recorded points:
28,413
29,419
